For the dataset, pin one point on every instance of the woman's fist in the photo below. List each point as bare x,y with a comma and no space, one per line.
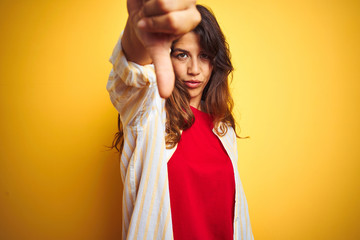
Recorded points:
156,24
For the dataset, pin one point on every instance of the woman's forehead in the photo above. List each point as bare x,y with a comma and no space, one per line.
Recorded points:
189,41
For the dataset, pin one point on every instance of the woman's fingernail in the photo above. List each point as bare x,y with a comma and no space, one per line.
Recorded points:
142,23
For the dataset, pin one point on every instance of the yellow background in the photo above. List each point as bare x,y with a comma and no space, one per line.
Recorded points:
296,88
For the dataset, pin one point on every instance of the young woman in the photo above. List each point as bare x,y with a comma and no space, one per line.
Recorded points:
176,138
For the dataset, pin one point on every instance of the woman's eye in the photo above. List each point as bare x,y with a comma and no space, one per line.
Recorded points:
204,56
181,56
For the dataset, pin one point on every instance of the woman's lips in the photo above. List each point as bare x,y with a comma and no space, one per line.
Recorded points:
192,83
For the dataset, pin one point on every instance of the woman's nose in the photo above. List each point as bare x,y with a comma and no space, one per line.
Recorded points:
193,67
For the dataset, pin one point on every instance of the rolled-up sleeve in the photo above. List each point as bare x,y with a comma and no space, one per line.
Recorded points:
131,86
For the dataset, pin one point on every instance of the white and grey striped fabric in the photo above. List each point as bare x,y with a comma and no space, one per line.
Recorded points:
143,163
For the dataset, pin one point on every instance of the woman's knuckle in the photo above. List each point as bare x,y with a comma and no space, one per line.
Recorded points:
192,2
172,22
151,22
163,5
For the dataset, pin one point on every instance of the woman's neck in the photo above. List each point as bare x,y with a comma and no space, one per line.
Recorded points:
196,103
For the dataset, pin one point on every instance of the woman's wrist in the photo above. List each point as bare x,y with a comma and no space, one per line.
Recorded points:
133,48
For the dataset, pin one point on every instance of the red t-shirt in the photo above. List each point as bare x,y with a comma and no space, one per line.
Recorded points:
201,184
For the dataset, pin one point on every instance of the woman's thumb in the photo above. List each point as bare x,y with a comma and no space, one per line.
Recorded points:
164,71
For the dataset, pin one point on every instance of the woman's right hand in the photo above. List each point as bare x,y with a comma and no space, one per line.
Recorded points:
151,28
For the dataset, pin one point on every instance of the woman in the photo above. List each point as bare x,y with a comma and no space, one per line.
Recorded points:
178,155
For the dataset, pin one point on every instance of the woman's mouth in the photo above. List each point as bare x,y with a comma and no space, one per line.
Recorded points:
192,83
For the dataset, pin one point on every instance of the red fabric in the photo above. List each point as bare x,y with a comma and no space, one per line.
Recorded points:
201,184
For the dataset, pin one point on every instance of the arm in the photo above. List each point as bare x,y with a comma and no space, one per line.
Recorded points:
133,48
151,28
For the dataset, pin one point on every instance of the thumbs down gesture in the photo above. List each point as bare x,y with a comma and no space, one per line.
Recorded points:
151,28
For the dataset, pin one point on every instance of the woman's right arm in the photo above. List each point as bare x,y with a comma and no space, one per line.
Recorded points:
132,82
133,48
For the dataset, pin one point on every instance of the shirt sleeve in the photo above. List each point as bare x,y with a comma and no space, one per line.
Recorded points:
132,87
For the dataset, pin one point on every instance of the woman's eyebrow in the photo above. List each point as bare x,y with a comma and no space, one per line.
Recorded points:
180,50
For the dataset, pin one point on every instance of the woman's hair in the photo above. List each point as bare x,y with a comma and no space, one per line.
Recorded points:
216,98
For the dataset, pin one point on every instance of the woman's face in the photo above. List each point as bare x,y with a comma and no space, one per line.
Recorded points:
191,66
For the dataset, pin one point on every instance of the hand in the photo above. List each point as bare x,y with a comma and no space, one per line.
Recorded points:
156,24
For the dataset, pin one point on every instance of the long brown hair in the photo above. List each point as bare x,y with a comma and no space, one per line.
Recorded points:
216,98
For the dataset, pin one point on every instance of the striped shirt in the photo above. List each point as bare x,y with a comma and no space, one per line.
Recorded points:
143,162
